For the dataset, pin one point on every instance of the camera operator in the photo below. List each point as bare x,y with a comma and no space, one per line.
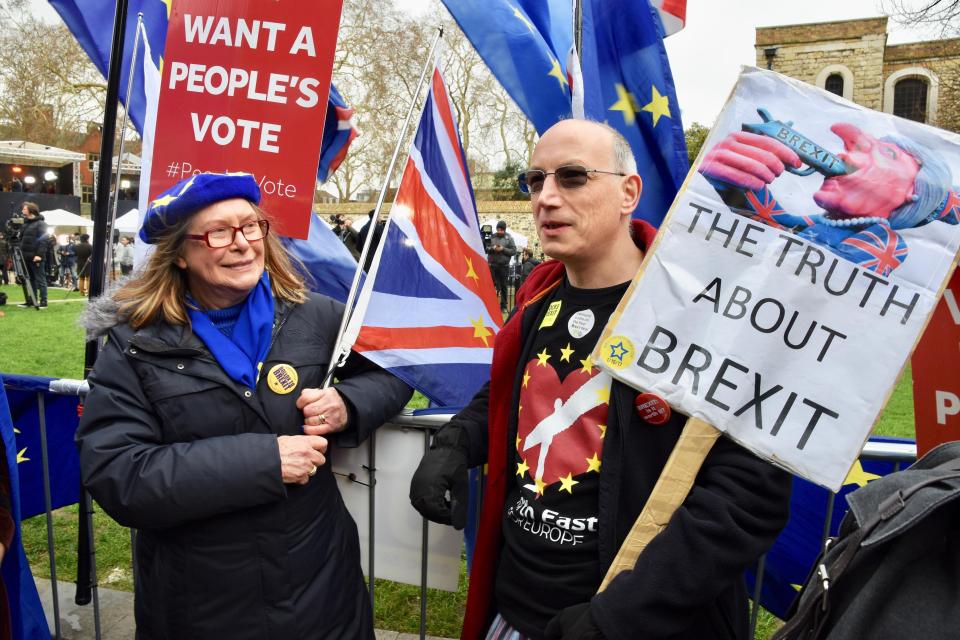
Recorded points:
499,251
4,257
34,250
347,234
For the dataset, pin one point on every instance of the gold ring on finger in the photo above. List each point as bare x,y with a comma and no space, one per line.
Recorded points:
322,418
312,471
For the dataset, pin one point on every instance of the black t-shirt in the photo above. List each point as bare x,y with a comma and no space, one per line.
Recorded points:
549,558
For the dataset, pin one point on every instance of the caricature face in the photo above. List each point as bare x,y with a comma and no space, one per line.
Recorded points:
883,180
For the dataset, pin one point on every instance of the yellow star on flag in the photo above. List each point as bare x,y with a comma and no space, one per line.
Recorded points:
593,464
522,468
626,104
658,106
470,272
526,377
21,457
566,484
603,395
168,4
565,353
858,476
522,18
542,358
480,331
587,366
518,442
557,72
541,485
603,431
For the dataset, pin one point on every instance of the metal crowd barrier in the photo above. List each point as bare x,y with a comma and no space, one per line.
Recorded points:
899,453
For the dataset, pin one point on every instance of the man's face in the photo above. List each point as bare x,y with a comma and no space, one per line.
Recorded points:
883,180
501,231
576,224
26,212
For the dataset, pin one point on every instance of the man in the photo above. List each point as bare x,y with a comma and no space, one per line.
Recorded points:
893,184
570,462
499,251
348,236
526,266
84,251
34,248
68,264
125,256
4,258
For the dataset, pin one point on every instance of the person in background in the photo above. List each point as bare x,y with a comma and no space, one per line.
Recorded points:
68,263
526,265
4,259
84,251
34,248
125,255
207,430
499,251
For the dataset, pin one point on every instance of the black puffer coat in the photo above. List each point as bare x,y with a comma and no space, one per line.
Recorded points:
30,238
173,447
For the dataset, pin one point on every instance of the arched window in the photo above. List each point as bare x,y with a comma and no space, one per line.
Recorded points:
834,84
910,99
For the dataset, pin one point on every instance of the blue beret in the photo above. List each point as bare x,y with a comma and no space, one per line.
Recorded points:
192,194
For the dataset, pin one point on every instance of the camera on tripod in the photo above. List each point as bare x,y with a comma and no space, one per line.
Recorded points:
13,230
486,233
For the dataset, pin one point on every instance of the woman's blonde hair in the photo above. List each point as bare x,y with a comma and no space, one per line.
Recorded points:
159,290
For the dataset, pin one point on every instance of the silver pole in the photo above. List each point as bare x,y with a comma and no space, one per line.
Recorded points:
48,504
123,137
339,353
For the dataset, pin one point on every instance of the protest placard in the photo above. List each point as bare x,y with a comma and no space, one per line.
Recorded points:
244,88
936,376
781,305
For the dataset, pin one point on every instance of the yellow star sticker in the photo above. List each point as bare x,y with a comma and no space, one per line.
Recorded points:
21,457
480,331
526,377
566,484
542,358
593,464
659,105
522,468
565,353
603,431
587,366
626,104
858,476
522,18
603,395
541,485
557,72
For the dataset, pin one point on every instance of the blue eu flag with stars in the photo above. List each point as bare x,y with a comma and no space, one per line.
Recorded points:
627,84
525,44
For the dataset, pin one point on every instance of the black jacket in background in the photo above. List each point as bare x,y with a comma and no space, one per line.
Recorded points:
31,238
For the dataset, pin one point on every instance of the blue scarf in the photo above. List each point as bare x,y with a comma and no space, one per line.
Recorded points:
241,354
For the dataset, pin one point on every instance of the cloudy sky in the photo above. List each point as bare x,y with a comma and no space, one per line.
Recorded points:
706,56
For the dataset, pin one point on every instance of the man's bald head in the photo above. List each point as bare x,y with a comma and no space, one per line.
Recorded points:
620,152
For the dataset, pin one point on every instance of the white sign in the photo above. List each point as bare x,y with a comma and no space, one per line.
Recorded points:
781,308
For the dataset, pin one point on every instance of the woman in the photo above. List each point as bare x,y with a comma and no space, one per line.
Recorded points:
204,430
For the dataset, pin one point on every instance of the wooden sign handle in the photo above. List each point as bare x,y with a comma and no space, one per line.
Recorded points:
668,494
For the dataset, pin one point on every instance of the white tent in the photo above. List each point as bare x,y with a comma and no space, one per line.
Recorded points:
61,218
128,222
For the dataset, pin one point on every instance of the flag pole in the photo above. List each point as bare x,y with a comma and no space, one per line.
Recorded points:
339,355
123,125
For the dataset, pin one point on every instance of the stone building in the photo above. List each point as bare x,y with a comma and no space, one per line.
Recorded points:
851,58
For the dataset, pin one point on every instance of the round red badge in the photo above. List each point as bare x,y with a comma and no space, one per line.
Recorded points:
652,408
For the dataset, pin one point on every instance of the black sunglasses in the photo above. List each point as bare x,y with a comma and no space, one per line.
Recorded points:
569,176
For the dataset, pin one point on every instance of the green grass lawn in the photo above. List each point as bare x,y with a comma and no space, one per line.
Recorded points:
49,342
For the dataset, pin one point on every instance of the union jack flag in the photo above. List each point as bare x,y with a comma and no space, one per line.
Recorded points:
765,207
338,133
878,248
428,312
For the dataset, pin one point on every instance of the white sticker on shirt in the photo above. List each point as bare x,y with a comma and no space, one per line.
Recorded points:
581,323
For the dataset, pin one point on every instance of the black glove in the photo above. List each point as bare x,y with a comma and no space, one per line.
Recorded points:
439,489
573,623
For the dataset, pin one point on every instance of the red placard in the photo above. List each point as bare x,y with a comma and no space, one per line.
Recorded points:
244,88
936,374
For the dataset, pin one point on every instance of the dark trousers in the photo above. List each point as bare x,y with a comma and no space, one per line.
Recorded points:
499,274
37,272
4,274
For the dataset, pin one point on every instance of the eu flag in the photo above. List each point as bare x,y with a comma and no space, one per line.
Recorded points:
525,44
627,84
27,621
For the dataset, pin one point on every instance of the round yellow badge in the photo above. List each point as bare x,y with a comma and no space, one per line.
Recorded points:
282,378
617,352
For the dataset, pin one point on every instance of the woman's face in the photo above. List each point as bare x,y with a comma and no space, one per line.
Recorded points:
222,277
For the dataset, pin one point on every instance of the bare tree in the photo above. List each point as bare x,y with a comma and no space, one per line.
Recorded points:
941,17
